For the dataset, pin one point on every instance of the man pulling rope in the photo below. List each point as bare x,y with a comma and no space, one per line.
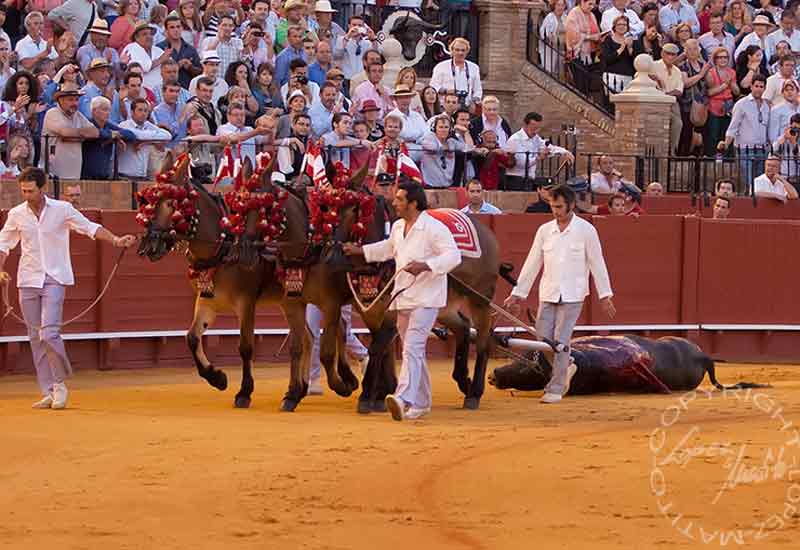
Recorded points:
42,225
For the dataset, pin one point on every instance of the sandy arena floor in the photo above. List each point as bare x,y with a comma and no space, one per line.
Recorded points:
159,460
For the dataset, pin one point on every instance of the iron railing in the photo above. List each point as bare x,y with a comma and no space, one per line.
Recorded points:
548,53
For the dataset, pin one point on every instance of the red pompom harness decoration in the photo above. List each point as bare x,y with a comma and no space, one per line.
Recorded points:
326,201
181,198
244,198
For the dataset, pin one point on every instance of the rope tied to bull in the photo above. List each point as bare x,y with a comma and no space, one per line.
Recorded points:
9,309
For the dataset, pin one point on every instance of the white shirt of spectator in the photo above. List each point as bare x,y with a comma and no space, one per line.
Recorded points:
773,93
502,138
779,120
152,75
45,241
709,43
220,88
762,184
753,39
27,48
567,257
414,125
446,76
349,54
132,162
600,184
247,147
774,38
636,25
428,241
313,88
520,143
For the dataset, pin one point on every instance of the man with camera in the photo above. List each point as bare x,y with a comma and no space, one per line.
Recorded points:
786,147
528,147
460,75
298,81
350,47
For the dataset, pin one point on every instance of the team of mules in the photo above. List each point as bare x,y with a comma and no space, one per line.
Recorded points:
241,272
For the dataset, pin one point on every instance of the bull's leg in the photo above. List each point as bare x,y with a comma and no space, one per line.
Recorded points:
483,326
246,311
450,317
300,353
204,315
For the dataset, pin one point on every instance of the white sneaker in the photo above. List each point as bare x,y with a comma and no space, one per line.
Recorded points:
395,406
44,403
571,370
414,413
315,388
60,394
551,398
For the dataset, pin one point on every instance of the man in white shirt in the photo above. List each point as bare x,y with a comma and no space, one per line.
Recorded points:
349,49
772,185
786,32
43,226
425,252
717,37
676,12
34,48
414,124
150,57
247,136
460,75
134,160
620,7
761,27
528,147
786,67
606,181
228,47
210,70
568,249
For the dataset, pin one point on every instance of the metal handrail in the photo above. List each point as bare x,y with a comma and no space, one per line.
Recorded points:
551,58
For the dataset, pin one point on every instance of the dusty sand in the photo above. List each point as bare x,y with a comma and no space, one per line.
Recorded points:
157,459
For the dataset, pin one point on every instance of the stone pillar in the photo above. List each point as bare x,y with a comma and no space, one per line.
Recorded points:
642,118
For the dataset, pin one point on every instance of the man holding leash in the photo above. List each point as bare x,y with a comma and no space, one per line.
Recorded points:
425,252
42,225
568,248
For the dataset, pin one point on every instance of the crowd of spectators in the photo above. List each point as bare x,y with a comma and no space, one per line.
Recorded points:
94,90
731,65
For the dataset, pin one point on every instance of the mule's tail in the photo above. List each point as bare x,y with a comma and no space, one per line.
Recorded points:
739,386
506,269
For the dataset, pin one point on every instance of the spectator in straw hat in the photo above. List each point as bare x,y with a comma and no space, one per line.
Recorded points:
762,26
336,76
98,74
414,125
66,121
150,57
326,28
211,71
96,46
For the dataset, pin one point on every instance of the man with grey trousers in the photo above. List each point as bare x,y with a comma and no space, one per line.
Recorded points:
569,249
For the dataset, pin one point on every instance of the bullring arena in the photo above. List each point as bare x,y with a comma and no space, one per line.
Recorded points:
147,455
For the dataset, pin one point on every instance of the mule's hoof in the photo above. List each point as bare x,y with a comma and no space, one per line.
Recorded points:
364,407
472,403
218,379
342,390
288,405
241,402
379,406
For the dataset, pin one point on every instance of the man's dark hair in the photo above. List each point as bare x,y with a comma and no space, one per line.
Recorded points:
171,82
34,174
354,17
459,111
228,16
650,6
721,181
337,117
205,81
127,78
139,101
788,57
328,84
532,116
254,2
373,50
564,192
795,119
299,116
474,182
236,105
758,78
297,64
414,193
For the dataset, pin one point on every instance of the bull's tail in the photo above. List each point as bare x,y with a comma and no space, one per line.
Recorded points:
506,269
739,386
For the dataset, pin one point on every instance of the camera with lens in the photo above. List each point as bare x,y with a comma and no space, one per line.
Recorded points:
384,179
201,173
301,79
462,97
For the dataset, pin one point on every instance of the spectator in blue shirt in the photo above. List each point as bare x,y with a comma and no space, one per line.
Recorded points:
476,204
294,50
169,113
98,154
99,75
318,70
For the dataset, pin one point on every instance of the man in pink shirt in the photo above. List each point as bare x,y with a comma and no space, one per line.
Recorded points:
374,90
42,225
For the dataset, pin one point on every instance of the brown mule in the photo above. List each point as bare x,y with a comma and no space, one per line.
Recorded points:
238,288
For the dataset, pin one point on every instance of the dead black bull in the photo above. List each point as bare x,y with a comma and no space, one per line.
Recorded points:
619,364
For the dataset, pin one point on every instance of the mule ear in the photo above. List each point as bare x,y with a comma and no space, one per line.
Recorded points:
358,178
247,169
181,168
167,163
